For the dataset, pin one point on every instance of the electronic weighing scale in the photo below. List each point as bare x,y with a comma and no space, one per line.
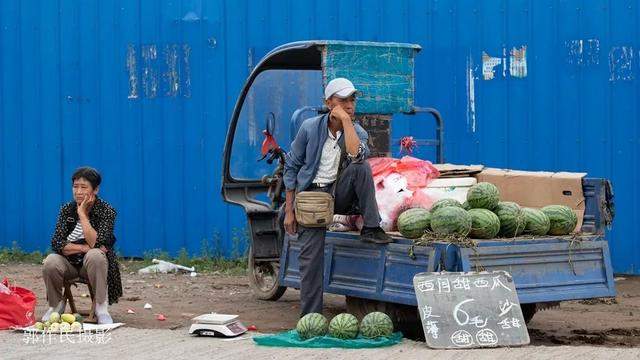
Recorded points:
217,325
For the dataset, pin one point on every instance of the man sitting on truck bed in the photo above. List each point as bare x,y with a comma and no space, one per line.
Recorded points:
323,145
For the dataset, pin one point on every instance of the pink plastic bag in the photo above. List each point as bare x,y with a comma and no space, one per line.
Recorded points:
398,182
381,167
390,205
417,172
418,200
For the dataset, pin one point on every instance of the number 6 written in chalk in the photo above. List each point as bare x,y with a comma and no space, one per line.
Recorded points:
457,310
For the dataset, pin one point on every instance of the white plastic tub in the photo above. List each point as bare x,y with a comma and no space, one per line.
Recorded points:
450,188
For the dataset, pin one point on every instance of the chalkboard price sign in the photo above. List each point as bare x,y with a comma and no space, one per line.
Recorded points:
470,310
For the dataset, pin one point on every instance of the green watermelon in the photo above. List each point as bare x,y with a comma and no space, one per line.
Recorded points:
451,220
413,222
344,326
79,318
536,222
561,218
483,195
465,205
376,324
444,202
484,224
512,219
312,325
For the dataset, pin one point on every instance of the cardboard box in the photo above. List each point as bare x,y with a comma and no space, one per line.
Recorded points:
537,189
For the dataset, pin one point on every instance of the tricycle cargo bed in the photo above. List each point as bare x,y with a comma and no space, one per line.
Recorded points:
545,269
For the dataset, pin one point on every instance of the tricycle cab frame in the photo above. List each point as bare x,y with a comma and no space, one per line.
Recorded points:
309,57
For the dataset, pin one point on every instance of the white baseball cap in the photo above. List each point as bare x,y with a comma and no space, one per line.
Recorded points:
339,87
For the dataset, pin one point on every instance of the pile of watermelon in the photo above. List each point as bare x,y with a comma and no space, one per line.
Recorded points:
345,326
484,216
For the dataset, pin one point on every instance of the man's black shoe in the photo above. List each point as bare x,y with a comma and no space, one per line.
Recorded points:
375,235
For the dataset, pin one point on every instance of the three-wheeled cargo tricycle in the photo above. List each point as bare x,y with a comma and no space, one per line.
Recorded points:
283,89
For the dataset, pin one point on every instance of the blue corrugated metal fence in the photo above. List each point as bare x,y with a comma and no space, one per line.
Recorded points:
143,91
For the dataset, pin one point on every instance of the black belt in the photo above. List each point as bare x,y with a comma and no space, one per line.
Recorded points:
315,186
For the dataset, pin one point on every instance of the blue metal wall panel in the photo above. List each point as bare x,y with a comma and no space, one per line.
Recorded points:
143,90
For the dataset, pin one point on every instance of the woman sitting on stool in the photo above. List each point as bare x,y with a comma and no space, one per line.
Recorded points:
83,247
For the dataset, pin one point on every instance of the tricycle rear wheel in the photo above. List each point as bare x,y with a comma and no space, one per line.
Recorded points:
528,310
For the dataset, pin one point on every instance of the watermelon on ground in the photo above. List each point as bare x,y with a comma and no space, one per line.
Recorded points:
536,222
376,324
561,218
312,325
413,222
512,219
444,202
344,326
483,195
484,224
451,220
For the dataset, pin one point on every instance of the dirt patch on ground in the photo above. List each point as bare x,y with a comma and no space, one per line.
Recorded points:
179,298
604,322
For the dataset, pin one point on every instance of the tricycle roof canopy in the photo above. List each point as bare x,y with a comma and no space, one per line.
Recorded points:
383,72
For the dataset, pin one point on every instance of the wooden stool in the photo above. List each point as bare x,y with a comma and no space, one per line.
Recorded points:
68,296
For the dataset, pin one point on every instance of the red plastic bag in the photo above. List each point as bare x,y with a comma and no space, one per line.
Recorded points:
381,167
398,184
17,306
417,172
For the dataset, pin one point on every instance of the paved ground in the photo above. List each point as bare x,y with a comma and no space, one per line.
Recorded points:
130,343
603,322
568,332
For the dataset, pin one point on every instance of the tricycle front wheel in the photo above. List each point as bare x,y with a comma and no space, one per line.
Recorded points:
263,278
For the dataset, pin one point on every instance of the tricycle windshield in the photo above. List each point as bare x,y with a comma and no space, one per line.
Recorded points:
269,104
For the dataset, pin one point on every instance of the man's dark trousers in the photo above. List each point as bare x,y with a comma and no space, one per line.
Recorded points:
355,187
